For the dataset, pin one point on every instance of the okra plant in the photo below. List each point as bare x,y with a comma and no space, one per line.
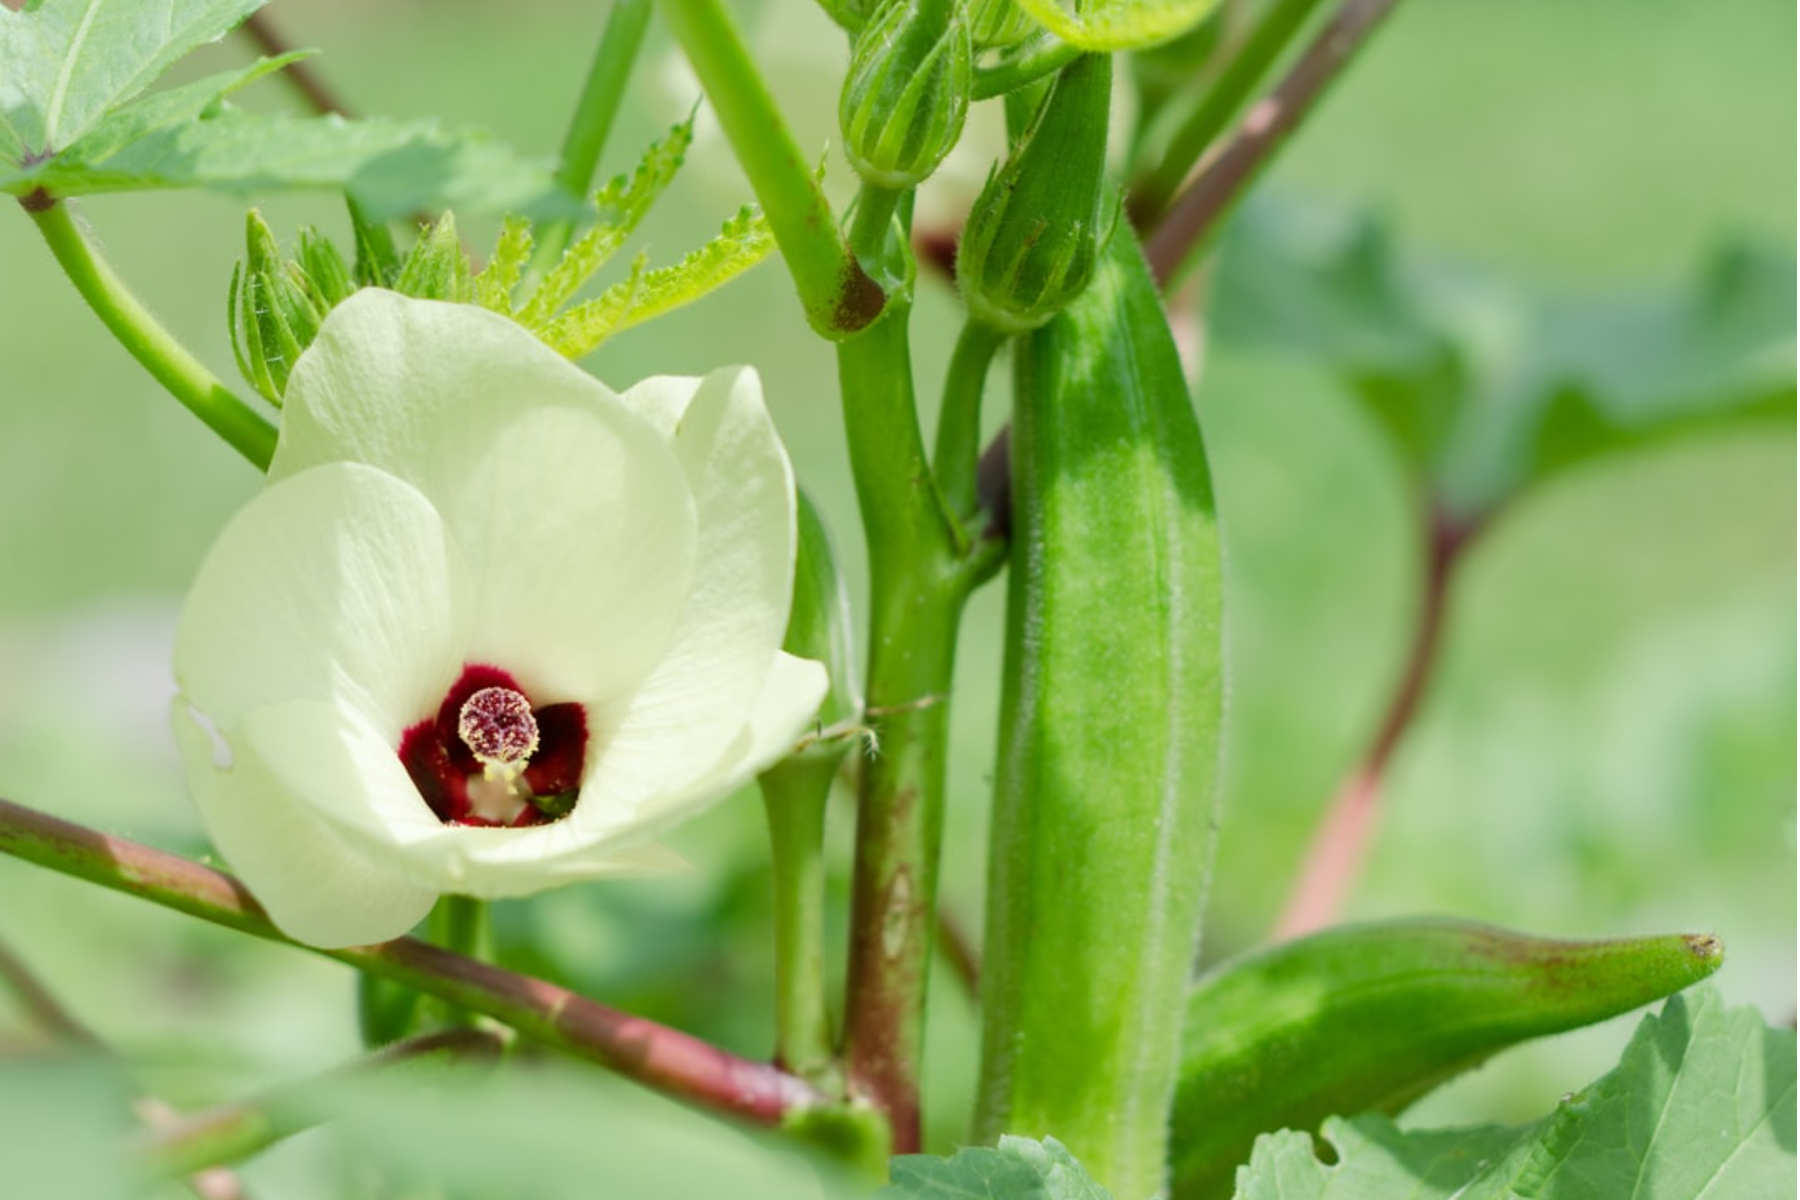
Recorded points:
515,614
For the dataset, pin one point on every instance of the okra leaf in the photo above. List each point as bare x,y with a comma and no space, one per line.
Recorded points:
68,62
1019,1169
1489,386
1700,1107
1107,25
390,167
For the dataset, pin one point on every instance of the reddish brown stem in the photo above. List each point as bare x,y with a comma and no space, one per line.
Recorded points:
1340,844
1196,214
652,1054
305,80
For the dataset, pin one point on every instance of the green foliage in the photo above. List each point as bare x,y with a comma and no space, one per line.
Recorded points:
1488,388
1701,1104
70,62
744,241
622,203
71,123
1101,26
1370,1017
391,167
1109,740
1017,1169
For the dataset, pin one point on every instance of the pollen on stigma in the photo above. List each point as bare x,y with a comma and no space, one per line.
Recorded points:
489,757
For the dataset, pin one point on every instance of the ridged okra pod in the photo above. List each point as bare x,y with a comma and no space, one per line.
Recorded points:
1373,1016
1104,792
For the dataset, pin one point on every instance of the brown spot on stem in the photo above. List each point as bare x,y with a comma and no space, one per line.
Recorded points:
859,301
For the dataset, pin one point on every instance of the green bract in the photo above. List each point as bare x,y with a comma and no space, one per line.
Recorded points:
448,495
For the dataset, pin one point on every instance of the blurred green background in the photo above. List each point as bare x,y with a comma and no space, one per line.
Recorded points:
1607,748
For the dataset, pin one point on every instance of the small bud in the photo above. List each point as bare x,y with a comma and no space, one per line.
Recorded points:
851,14
436,268
907,91
1035,232
997,24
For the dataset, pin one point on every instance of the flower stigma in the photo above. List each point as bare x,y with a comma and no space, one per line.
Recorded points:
497,726
489,757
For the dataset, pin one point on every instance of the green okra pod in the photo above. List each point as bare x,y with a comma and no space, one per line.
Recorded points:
1104,793
1373,1016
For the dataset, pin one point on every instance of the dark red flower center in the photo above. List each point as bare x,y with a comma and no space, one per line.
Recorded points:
489,758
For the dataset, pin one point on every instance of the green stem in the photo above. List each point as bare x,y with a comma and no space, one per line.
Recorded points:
838,296
595,112
234,1132
654,1055
795,792
873,222
460,924
155,348
959,418
601,94
1037,60
918,593
1150,196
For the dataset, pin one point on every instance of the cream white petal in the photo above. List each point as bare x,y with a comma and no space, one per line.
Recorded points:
689,710
337,584
339,768
574,517
315,885
626,800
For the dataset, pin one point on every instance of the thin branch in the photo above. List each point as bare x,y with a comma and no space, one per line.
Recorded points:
1196,214
233,1132
643,1050
41,1006
1340,845
958,949
206,1182
320,98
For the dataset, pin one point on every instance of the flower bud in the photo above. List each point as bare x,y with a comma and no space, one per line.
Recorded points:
997,24
1035,232
851,14
907,91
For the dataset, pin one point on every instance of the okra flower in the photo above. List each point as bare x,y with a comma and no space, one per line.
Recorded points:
491,628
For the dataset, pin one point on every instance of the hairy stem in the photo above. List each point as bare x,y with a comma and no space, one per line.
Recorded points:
838,296
1196,214
917,599
654,1055
155,348
1340,845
